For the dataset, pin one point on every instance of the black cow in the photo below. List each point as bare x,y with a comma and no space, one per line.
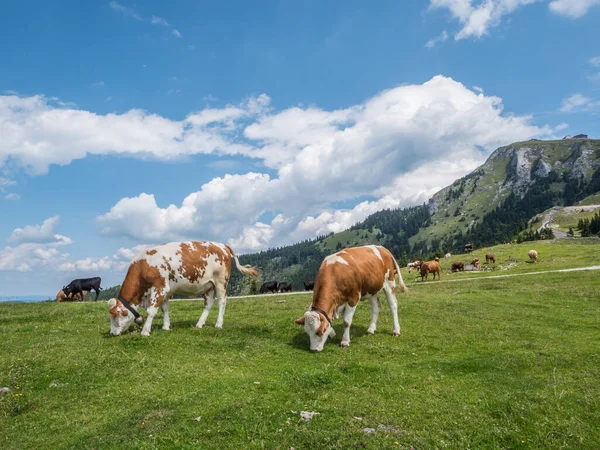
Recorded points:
284,287
83,284
269,286
309,285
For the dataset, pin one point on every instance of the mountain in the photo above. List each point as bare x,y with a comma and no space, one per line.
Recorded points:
494,203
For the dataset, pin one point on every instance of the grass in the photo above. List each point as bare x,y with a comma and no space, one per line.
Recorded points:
489,363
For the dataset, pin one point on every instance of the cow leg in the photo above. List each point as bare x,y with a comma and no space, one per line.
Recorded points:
375,307
348,315
209,301
393,304
166,318
97,294
152,310
222,297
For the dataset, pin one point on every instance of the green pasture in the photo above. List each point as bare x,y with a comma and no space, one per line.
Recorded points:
510,363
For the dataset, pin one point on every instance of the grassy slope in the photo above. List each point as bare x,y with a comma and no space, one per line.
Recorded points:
506,363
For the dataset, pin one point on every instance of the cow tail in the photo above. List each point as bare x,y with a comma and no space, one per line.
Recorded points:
401,285
247,269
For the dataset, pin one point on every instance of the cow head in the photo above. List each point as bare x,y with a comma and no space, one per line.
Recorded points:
318,329
67,290
120,317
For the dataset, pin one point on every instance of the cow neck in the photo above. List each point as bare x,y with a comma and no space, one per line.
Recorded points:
128,296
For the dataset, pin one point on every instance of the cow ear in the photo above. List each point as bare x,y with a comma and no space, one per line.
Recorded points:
112,303
322,326
299,321
124,313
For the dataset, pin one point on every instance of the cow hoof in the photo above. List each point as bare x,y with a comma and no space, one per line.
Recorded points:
345,344
396,333
199,326
219,327
145,333
166,329
371,332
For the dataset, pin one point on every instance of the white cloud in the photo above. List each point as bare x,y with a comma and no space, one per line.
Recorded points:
130,12
477,17
398,147
572,8
12,196
159,21
577,102
36,133
6,182
44,233
436,40
561,126
97,84
595,61
175,32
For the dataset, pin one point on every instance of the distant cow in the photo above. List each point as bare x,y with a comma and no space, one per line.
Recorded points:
343,279
489,257
533,255
309,285
430,267
476,262
62,297
83,284
269,286
448,255
158,273
284,287
458,266
414,265
468,247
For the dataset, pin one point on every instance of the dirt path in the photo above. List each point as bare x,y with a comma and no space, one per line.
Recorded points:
509,275
547,220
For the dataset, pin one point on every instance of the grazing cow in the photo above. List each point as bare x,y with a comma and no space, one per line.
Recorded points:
533,255
458,266
430,267
83,284
489,257
309,285
414,265
448,255
284,287
62,297
157,273
468,247
269,286
476,262
343,279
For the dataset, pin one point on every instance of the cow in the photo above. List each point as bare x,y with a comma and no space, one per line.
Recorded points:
490,257
476,262
414,265
448,255
533,255
284,287
83,284
430,267
344,278
458,266
157,273
468,247
62,297
309,285
269,286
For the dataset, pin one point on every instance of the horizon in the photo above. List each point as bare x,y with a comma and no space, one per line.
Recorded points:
262,125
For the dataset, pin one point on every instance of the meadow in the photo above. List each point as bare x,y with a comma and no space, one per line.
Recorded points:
481,363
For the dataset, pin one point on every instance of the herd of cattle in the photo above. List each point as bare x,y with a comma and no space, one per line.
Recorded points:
204,269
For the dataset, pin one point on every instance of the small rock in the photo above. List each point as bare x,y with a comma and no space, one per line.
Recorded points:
387,428
197,419
256,382
358,418
281,301
369,430
4,389
308,415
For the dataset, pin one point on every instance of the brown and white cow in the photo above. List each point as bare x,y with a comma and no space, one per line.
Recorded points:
414,265
157,273
343,279
62,297
432,267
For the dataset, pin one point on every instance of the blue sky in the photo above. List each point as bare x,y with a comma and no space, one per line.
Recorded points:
257,124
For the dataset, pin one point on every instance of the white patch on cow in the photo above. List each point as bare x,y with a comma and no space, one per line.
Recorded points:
386,280
312,322
375,250
335,259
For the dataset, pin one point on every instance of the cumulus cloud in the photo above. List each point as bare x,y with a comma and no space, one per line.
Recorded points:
44,233
386,148
36,132
572,8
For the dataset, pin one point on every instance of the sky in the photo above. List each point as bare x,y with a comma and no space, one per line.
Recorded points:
126,124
